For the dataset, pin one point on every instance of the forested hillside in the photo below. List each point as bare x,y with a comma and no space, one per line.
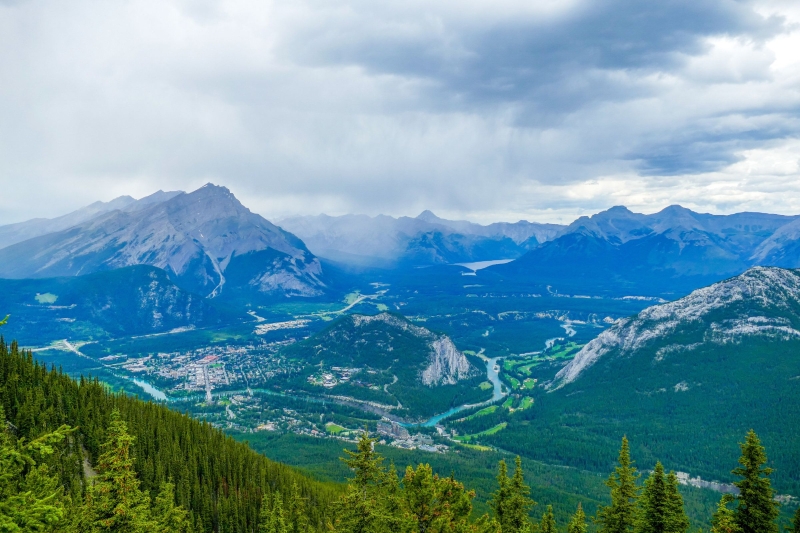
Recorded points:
219,481
76,458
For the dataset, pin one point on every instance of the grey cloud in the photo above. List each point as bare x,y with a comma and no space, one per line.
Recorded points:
377,106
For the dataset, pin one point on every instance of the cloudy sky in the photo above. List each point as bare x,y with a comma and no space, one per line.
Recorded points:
486,110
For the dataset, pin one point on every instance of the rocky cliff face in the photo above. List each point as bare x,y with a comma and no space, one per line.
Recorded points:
447,365
195,237
764,301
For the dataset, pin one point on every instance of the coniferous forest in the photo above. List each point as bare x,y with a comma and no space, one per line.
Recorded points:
75,457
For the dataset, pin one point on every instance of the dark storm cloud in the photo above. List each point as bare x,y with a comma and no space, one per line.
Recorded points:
499,108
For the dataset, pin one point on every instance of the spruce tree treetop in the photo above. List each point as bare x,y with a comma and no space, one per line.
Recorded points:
757,511
511,502
577,523
114,501
620,516
723,520
548,523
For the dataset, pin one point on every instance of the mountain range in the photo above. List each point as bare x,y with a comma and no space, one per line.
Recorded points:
206,241
670,252
424,240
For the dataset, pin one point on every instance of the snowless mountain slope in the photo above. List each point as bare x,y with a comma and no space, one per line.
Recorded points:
135,300
391,361
196,237
762,302
426,239
21,231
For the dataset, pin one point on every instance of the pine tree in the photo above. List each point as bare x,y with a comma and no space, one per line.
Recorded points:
677,521
277,519
503,493
114,501
30,495
620,516
435,504
653,503
511,502
756,511
265,516
295,510
796,522
169,518
361,509
577,523
548,523
724,520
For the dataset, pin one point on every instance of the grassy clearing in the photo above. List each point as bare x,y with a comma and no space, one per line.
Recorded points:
529,384
334,429
485,385
515,384
352,297
477,447
490,431
508,403
526,403
46,298
483,412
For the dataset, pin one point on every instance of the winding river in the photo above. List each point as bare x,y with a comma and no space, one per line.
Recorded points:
492,374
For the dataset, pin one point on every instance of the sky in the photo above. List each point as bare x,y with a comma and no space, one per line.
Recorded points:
542,110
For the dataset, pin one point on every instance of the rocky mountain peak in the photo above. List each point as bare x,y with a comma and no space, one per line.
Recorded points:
763,301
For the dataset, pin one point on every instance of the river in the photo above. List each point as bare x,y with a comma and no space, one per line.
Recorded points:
152,391
492,374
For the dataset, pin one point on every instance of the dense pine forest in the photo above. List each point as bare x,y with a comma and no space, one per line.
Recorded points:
75,457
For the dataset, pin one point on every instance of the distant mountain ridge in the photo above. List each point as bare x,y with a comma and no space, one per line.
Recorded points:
425,239
206,240
672,251
21,231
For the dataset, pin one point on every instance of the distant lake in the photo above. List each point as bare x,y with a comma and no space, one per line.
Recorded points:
480,265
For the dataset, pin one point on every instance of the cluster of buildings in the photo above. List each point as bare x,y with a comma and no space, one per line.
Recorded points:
399,437
337,375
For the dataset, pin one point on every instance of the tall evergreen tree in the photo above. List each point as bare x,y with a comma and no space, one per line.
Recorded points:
620,516
661,505
756,511
795,528
30,494
361,509
723,520
168,517
653,503
295,510
577,524
277,519
548,523
435,504
114,501
677,521
511,502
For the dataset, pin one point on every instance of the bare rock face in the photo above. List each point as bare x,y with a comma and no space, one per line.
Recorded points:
447,365
764,301
195,237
